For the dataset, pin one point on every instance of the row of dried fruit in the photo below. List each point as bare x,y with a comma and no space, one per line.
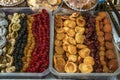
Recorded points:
27,43
84,44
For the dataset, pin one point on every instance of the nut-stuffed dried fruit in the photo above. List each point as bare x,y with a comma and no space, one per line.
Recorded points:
84,52
72,49
85,68
70,67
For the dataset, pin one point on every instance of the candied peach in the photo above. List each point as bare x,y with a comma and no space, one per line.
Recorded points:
107,28
109,45
113,65
107,21
110,54
108,36
102,14
98,18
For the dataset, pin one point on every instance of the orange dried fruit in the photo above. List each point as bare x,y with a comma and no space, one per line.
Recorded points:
85,68
72,49
70,67
84,52
89,60
59,50
72,58
59,64
80,21
60,36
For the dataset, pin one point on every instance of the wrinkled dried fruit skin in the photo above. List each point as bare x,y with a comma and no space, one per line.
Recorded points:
92,42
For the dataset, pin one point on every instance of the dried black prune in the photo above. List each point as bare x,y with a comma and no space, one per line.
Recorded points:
21,41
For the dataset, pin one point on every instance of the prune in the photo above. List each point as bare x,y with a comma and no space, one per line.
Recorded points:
92,42
19,45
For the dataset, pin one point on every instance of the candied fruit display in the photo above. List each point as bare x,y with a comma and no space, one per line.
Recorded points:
84,43
24,42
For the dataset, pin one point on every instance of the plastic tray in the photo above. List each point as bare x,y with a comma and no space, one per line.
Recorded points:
27,11
99,76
